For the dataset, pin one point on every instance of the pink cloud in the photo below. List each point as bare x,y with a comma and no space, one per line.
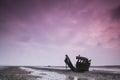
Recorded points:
60,26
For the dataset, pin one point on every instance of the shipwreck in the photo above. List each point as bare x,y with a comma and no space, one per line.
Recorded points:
82,64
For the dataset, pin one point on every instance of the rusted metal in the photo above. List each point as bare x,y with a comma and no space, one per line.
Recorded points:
82,64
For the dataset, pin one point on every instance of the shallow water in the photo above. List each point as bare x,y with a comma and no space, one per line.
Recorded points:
78,78
111,70
47,75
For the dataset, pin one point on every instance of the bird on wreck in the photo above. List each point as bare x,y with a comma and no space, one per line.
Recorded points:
82,63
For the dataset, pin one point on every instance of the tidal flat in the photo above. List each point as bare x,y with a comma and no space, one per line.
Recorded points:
33,73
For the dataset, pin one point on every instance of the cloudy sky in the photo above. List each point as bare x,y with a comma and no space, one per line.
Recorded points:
41,32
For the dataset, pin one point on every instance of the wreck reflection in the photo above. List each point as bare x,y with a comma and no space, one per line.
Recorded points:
75,78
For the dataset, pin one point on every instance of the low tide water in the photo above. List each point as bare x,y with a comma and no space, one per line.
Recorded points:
51,75
48,75
111,70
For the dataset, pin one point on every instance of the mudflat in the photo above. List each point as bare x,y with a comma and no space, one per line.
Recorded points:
32,73
15,73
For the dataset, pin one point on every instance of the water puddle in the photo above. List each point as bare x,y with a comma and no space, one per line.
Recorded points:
45,75
48,75
77,78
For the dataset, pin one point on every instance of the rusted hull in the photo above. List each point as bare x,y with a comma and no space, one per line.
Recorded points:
80,66
69,63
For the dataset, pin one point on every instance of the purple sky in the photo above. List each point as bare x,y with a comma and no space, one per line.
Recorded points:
41,32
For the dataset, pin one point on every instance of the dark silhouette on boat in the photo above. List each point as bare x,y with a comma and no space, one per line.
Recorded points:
82,64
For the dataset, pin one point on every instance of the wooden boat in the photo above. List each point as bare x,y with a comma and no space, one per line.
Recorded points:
82,64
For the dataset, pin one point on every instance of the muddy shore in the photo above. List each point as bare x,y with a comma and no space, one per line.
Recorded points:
15,73
90,75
